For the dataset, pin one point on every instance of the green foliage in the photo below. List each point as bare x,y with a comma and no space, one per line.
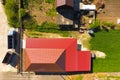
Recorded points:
50,1
22,12
11,9
95,24
51,12
107,42
30,23
49,27
107,24
79,78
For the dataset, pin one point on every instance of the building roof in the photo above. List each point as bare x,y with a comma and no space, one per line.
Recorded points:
57,53
42,57
87,7
84,61
64,3
50,43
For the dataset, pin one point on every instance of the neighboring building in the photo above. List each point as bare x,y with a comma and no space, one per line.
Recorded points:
69,3
70,12
55,55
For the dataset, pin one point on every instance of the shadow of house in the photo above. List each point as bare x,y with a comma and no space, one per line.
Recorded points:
66,12
62,73
65,17
14,60
11,58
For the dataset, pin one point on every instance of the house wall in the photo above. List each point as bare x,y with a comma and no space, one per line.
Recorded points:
26,61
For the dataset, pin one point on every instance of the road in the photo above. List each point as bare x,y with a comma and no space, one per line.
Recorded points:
15,76
4,27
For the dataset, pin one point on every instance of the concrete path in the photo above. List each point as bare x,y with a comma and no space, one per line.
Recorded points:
4,27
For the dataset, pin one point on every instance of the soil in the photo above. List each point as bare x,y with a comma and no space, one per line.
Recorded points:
38,11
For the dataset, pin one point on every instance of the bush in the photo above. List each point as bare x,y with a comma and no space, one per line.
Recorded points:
108,25
11,9
95,25
50,1
51,12
30,23
22,12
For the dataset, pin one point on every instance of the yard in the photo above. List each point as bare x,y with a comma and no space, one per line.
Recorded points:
109,43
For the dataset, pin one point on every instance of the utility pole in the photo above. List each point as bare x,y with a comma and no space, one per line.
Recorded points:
20,36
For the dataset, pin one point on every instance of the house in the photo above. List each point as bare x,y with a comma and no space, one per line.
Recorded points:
55,55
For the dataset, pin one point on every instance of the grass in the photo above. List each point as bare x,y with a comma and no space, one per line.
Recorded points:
51,12
79,77
107,42
49,27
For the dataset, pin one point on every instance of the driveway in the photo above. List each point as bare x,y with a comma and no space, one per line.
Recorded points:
4,27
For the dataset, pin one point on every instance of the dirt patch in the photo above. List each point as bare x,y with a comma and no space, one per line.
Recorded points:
38,11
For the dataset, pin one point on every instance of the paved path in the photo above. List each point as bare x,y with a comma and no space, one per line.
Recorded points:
4,27
15,76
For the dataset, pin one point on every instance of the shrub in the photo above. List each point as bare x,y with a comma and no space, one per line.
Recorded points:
11,9
50,1
51,12
22,12
30,24
108,24
95,26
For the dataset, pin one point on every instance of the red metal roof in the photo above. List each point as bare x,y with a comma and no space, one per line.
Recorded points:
50,43
64,2
40,57
84,61
44,55
49,51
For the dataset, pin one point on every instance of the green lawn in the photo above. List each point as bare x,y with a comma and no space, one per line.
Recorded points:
109,43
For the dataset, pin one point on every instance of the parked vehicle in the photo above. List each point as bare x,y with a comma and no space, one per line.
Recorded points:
12,39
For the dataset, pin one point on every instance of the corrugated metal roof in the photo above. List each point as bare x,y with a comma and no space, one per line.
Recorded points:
44,55
56,52
50,43
38,60
84,61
